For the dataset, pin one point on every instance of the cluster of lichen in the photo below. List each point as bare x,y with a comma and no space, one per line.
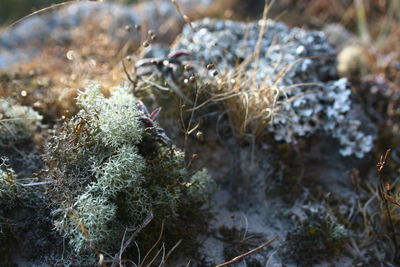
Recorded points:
105,180
19,127
7,193
7,189
16,122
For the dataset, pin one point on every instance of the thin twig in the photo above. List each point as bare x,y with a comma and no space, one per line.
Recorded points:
188,130
128,75
38,183
185,17
162,88
239,258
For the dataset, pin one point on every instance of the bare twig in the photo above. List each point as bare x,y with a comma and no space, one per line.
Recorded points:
162,88
239,258
37,183
128,75
185,17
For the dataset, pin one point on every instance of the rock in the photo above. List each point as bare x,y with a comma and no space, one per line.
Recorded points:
313,101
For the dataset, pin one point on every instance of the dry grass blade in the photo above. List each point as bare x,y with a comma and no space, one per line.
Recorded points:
118,256
170,252
153,247
260,38
384,194
251,100
162,249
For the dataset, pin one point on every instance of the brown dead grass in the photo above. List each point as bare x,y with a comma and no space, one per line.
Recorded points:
50,82
250,104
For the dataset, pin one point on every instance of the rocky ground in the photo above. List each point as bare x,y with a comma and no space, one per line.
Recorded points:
290,139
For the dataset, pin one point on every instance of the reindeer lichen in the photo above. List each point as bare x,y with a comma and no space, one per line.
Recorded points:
7,181
105,181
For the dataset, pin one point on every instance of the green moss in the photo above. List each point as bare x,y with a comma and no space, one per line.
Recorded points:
318,238
288,165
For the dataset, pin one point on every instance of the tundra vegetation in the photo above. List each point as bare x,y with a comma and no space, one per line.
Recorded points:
238,140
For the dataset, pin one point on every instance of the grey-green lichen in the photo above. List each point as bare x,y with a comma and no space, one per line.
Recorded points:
19,126
16,122
7,180
7,189
105,179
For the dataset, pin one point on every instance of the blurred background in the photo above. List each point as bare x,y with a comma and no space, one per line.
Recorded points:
366,33
11,10
364,17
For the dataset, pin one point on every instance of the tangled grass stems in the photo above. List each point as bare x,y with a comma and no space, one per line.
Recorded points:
386,200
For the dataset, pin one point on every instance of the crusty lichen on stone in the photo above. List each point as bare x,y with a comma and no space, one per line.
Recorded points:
302,65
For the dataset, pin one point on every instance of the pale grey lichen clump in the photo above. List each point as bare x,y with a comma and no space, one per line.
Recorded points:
16,122
106,180
303,66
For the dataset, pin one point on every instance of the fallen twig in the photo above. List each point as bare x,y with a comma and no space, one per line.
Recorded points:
239,258
37,183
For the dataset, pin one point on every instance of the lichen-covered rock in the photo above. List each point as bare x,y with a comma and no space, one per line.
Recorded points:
300,63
